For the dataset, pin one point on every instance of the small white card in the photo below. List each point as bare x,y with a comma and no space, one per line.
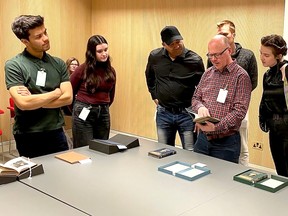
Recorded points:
85,161
222,95
84,113
199,165
41,78
121,147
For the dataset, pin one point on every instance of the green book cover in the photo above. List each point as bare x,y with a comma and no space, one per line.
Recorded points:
252,176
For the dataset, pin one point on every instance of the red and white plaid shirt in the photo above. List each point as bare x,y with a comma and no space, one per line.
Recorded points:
233,110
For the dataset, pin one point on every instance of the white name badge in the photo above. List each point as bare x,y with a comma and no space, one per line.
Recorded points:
222,95
41,78
84,113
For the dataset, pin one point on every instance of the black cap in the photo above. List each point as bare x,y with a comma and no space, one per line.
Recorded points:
170,34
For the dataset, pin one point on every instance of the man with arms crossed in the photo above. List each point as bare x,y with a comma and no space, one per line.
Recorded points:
39,85
246,59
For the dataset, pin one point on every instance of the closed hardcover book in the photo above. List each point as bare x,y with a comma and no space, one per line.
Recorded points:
250,176
161,153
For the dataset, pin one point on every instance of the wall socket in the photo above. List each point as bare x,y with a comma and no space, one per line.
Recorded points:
258,146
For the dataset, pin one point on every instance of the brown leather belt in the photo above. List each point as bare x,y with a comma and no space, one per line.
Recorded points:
219,136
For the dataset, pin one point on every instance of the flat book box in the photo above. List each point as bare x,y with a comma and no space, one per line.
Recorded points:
117,143
262,180
185,171
19,168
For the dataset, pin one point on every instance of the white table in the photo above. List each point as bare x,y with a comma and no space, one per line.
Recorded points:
129,183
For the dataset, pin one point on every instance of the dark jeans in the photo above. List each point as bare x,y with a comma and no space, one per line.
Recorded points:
96,125
41,143
278,138
227,148
169,123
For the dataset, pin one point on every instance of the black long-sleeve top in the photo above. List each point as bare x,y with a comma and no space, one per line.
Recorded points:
173,82
273,98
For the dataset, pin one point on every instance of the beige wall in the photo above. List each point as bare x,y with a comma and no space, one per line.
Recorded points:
132,29
68,23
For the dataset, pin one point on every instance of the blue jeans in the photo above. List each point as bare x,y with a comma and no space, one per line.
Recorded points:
278,138
227,148
41,143
169,123
96,125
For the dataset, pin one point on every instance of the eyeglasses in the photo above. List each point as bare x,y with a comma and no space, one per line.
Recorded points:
216,55
74,64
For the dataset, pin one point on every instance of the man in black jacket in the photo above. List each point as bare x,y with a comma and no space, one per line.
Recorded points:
172,73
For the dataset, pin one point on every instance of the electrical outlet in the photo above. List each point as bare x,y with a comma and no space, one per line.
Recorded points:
258,146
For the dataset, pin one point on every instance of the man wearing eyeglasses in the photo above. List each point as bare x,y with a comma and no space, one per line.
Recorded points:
223,92
172,73
246,59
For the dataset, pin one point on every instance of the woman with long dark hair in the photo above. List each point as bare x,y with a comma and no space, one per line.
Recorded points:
273,107
94,88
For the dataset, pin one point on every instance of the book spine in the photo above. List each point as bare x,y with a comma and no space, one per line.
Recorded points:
167,154
155,155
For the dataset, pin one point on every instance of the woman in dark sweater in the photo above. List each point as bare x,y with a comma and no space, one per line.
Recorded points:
94,88
273,107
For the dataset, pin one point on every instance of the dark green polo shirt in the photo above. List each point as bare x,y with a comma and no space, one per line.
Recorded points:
22,70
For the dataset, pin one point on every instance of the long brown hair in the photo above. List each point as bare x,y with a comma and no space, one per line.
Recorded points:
92,79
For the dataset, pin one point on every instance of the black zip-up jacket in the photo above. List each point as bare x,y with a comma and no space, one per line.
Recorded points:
273,98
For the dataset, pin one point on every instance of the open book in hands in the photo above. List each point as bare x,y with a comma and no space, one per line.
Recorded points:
15,166
203,119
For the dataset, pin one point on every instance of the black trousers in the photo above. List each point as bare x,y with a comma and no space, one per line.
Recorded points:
278,138
41,143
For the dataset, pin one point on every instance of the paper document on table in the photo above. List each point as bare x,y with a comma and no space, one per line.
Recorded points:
193,172
176,168
272,183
